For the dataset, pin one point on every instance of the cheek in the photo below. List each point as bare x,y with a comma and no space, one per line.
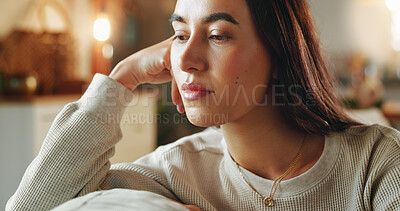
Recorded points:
245,73
241,68
230,67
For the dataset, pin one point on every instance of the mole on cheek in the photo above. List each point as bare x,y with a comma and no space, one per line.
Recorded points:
237,78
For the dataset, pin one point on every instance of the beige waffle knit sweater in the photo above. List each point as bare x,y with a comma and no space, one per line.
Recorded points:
359,169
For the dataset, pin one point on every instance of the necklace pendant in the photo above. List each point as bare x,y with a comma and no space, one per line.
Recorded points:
268,201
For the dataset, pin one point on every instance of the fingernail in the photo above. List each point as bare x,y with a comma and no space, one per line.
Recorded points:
181,109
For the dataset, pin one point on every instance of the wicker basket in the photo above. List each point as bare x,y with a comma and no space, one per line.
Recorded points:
48,55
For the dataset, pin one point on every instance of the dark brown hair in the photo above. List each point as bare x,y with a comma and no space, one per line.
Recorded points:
287,30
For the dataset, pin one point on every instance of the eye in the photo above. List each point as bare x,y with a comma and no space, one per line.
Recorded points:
219,38
181,38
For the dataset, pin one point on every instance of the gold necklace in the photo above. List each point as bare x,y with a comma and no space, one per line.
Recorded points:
269,200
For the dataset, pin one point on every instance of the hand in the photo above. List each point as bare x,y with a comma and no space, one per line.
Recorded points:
150,65
189,207
192,208
176,97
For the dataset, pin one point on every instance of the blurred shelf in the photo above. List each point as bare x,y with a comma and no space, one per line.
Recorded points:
39,98
391,110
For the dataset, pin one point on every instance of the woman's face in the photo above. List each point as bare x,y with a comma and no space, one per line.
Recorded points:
219,63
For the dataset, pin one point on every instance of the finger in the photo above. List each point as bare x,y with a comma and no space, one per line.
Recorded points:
192,208
175,92
189,207
163,77
168,57
180,108
166,61
176,97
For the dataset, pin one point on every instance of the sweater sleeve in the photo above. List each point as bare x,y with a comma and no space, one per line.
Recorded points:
74,158
387,187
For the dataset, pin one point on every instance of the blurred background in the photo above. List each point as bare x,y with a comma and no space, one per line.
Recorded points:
50,50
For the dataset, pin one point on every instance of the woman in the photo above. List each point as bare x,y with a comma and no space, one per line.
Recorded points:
283,144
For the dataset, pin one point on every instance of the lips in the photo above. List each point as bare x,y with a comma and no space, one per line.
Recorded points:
194,91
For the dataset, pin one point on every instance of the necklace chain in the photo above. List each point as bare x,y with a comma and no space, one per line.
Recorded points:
269,200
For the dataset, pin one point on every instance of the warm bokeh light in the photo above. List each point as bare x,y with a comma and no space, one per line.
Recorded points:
393,4
101,29
108,51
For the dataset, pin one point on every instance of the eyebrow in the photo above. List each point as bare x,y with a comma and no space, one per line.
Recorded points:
209,19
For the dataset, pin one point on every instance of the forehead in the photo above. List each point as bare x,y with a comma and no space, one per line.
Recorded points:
193,10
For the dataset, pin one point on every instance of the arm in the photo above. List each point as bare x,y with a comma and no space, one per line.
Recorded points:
75,153
386,190
74,158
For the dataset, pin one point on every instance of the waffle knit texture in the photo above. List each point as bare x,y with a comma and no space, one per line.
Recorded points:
359,168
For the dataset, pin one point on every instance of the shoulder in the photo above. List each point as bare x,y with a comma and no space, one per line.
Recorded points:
209,140
373,134
190,150
377,159
375,131
380,144
187,149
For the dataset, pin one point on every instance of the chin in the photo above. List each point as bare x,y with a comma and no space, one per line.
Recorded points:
206,119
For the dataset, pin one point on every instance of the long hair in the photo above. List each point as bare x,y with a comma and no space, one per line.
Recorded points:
287,30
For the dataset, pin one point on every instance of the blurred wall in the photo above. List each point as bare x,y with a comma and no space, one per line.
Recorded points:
10,13
346,26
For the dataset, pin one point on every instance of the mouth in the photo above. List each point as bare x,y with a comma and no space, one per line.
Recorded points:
194,91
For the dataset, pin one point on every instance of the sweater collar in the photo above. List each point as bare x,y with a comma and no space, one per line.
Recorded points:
298,184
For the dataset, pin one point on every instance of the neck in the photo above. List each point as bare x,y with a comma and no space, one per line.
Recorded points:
263,143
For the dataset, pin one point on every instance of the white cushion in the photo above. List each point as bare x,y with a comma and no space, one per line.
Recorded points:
121,200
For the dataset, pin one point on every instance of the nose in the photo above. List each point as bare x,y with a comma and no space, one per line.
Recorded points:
193,57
